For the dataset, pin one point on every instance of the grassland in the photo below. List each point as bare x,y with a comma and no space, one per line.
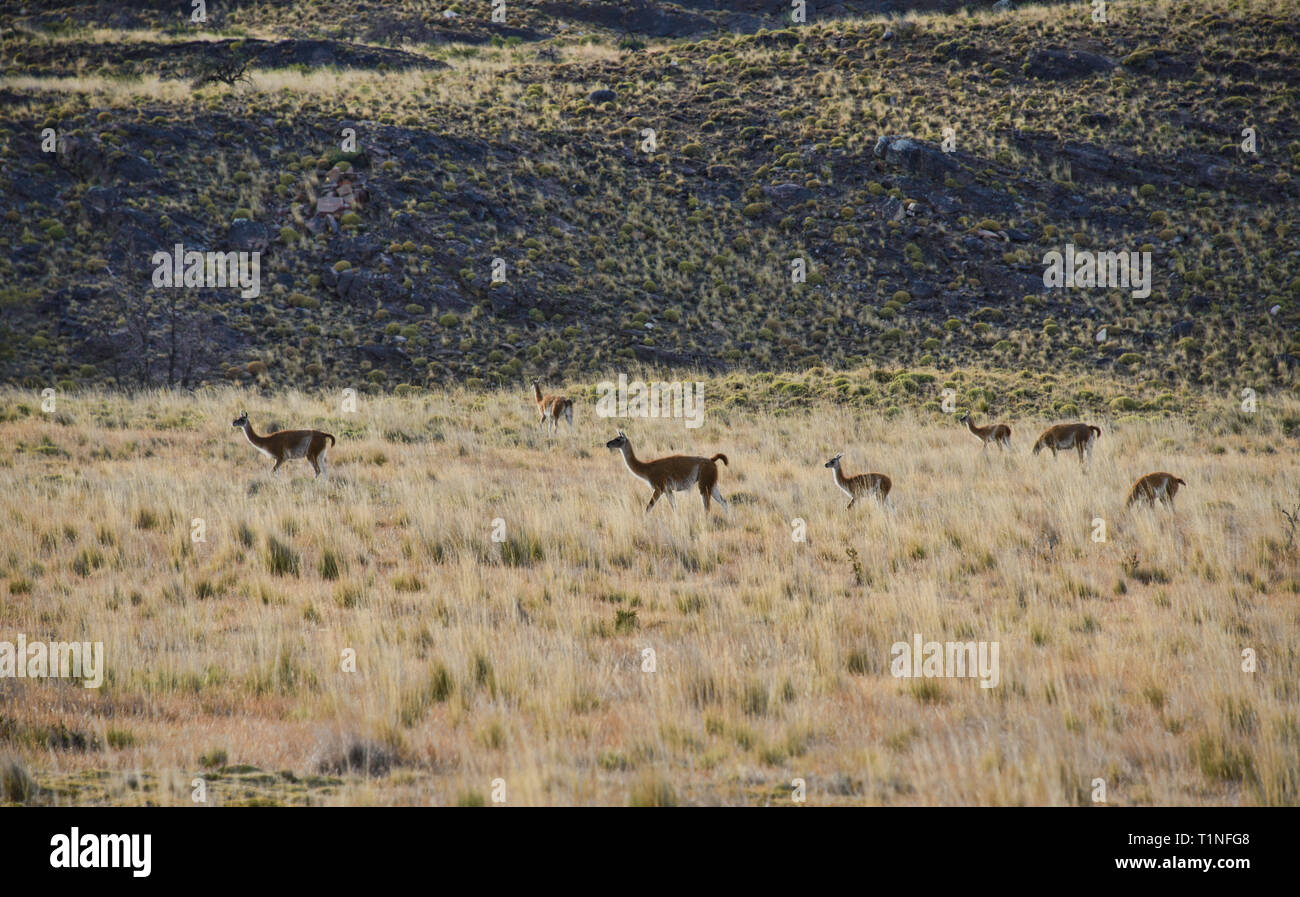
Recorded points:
522,659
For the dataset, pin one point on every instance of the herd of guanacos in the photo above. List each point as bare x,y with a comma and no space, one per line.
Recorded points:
677,473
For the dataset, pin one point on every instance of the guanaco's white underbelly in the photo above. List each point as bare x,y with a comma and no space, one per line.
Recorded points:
847,491
685,482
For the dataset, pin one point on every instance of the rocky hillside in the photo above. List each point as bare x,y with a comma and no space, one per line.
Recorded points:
644,181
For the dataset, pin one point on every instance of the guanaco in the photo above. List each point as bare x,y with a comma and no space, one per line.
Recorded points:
876,484
552,408
1079,437
997,433
284,445
1156,486
674,473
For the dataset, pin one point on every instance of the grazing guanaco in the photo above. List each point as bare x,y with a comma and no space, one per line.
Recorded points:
674,473
997,433
552,408
876,484
1153,486
284,445
1079,437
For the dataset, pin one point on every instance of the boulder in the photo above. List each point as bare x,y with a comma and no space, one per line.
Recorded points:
788,194
133,169
1060,65
83,157
248,236
916,156
99,204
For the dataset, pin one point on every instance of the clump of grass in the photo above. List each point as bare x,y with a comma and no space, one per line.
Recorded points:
329,564
16,785
281,560
407,582
437,689
1220,760
120,739
521,551
350,754
87,561
754,700
625,620
213,759
347,596
652,791
927,691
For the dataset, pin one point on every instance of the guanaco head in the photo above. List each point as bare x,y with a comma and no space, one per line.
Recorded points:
616,444
964,419
241,421
835,462
1038,446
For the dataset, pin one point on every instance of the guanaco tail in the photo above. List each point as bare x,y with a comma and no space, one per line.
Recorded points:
675,473
1080,437
1159,486
876,484
552,408
997,433
284,445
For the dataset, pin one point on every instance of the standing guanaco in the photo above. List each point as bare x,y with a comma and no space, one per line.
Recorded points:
552,408
284,445
674,473
997,433
876,484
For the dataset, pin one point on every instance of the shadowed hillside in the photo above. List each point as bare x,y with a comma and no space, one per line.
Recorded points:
766,153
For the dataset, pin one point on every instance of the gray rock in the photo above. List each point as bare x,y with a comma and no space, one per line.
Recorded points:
248,236
99,203
604,95
916,156
1060,65
788,194
133,170
83,157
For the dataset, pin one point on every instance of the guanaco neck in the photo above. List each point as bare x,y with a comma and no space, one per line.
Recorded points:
253,437
537,392
637,467
970,425
840,479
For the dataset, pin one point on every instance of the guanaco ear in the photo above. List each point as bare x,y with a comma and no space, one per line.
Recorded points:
621,433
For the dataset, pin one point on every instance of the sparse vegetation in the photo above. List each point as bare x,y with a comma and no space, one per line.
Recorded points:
450,627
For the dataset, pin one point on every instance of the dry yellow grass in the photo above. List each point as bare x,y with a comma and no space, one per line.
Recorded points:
522,660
